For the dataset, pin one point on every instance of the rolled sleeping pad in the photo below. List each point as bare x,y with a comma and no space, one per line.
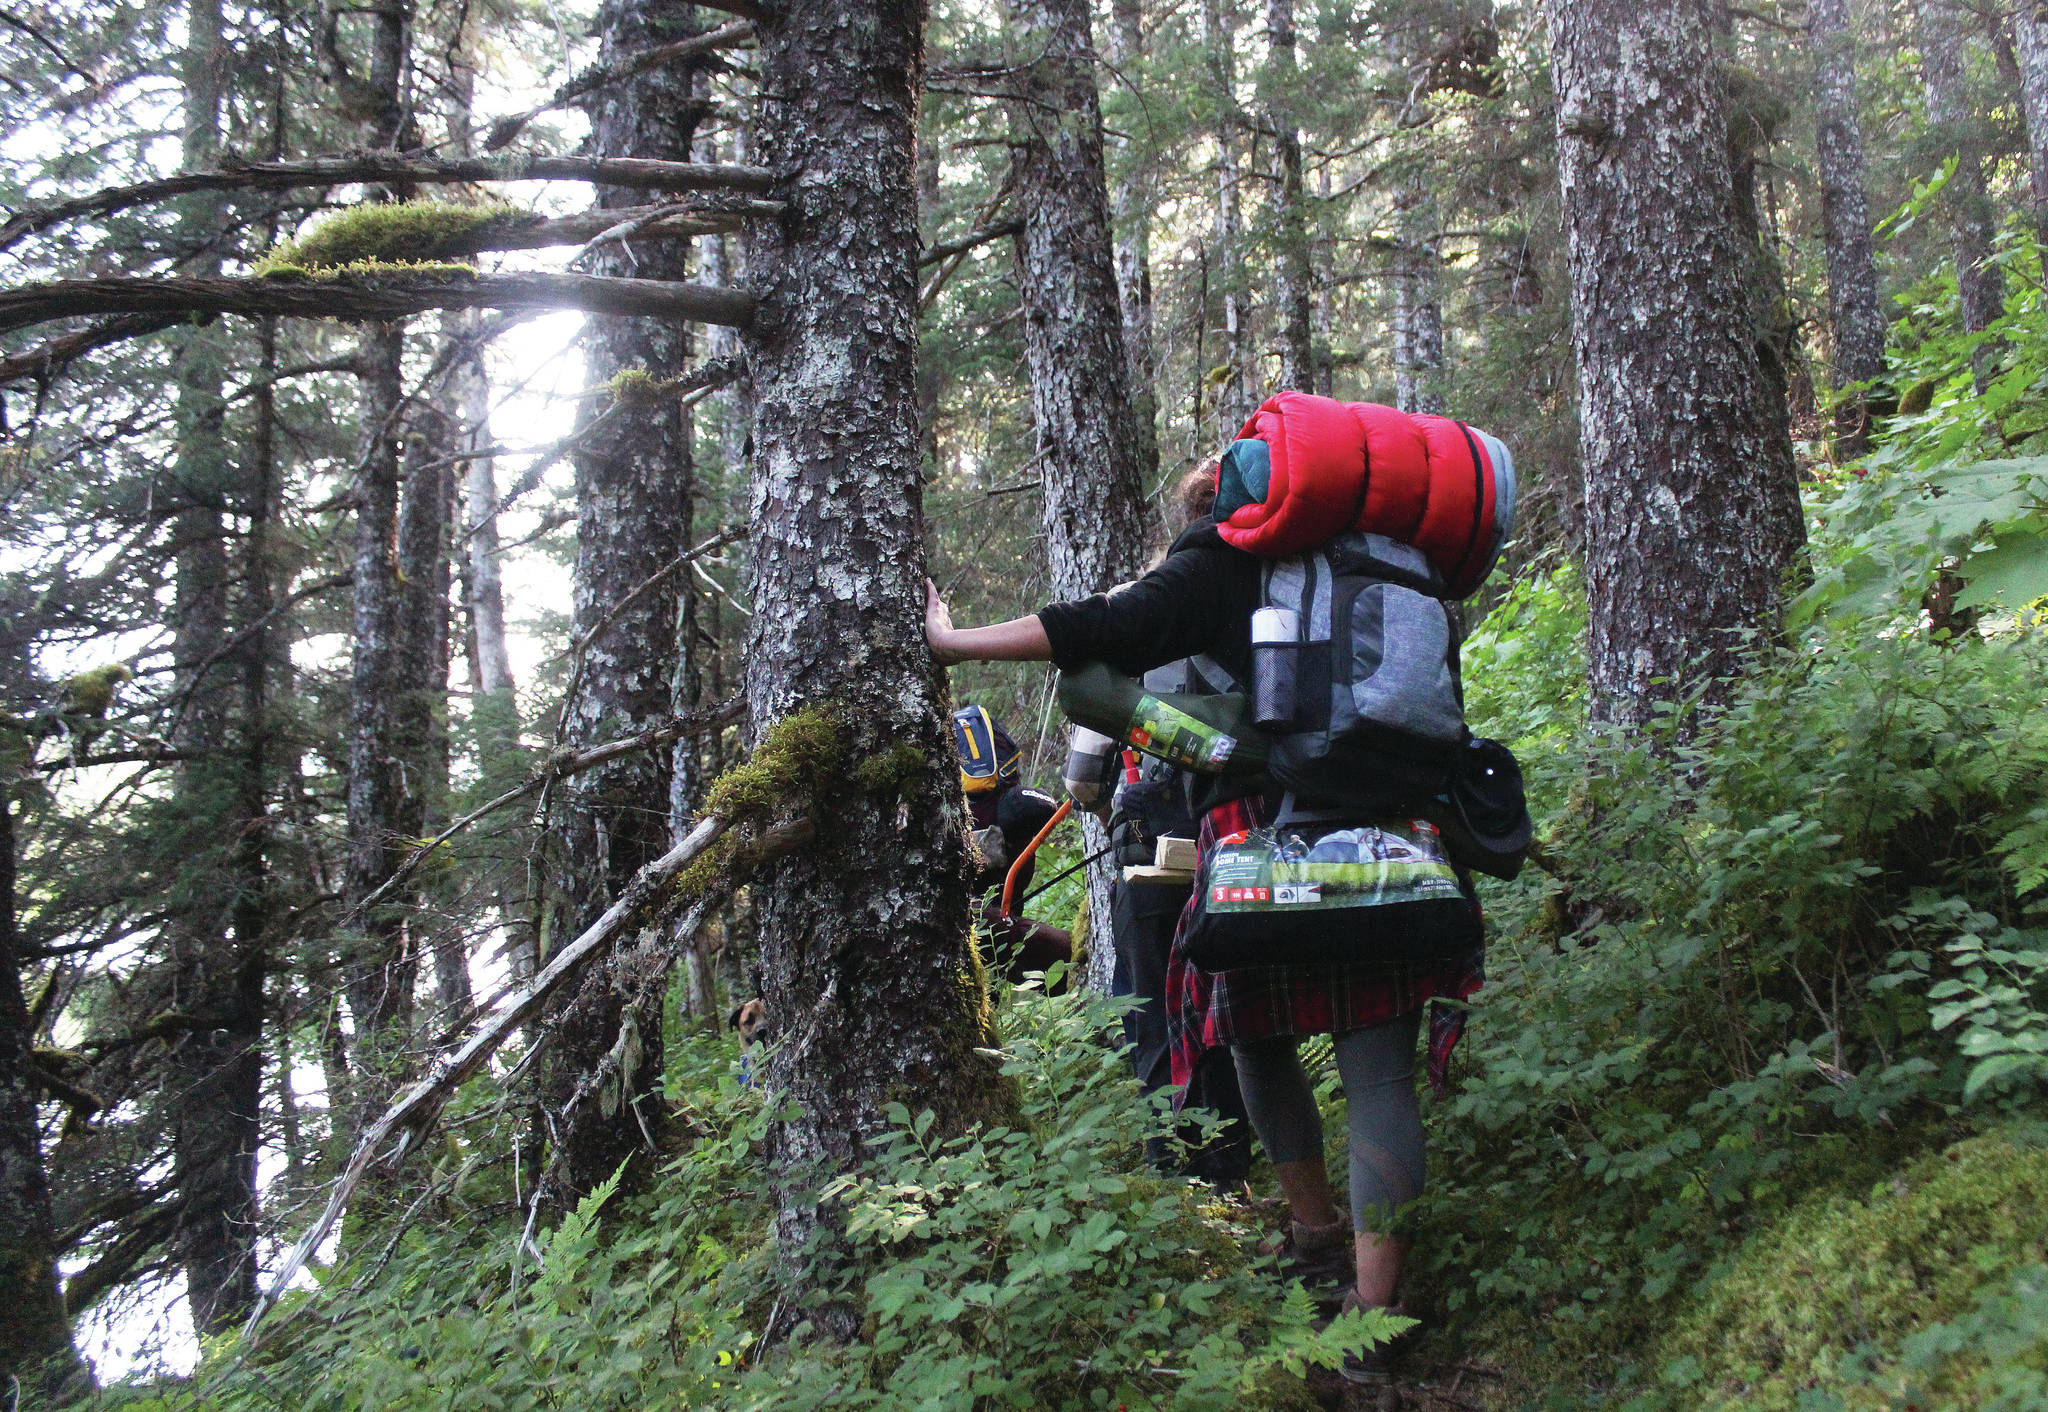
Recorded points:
1332,467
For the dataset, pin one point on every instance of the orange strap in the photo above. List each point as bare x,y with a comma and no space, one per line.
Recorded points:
1010,878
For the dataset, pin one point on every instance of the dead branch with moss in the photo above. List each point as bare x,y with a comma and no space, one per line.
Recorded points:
375,294
392,168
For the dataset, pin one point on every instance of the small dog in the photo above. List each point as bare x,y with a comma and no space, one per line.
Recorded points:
750,1023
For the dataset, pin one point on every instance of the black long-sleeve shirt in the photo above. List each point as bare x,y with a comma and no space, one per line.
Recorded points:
1198,601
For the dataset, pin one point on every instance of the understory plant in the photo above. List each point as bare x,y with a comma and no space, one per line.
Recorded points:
1037,1266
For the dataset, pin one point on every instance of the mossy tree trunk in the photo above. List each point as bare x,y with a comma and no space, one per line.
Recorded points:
1680,559
1293,284
601,1082
1131,200
865,958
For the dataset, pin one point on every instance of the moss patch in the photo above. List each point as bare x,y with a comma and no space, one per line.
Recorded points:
91,692
801,754
892,769
1814,1305
409,235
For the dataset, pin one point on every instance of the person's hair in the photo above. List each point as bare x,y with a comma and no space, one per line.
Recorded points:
1194,495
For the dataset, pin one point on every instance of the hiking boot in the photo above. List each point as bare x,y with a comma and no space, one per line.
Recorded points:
1375,1365
1322,1257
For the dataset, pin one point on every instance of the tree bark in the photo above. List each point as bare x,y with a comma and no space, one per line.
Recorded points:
1678,552
1418,260
1088,448
2030,36
865,953
35,1335
1293,281
425,585
1971,219
632,496
1752,120
383,812
1131,200
1234,398
1855,318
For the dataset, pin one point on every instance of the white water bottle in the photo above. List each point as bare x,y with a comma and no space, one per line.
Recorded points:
1276,644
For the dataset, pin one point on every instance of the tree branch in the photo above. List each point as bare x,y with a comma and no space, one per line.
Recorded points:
396,168
376,299
46,360
590,80
556,766
414,1113
946,249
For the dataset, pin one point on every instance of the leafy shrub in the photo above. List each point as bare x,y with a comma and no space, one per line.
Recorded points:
1759,966
1038,1267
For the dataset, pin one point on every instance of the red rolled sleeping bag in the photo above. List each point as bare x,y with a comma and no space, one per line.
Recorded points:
1428,481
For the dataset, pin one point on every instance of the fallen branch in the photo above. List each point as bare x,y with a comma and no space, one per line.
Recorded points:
414,1112
590,80
393,167
554,768
379,299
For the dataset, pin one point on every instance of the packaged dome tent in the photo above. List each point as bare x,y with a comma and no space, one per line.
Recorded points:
1332,466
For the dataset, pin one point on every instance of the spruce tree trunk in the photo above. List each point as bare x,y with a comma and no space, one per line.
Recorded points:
1972,221
1418,259
865,956
383,812
35,1334
1679,554
1088,447
1131,202
216,962
1293,283
1773,332
494,705
632,499
383,802
2030,36
1234,393
1855,318
425,628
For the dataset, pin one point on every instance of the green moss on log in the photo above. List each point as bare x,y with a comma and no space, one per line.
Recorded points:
1814,1309
892,769
410,235
794,763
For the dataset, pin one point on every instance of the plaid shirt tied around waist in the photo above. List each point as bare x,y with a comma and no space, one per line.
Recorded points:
1209,1009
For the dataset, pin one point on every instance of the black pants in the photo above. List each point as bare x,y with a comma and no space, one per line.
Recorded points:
1142,922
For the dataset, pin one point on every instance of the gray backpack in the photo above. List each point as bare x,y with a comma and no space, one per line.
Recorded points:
1355,665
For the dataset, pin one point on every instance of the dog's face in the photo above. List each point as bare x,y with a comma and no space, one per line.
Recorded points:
750,1022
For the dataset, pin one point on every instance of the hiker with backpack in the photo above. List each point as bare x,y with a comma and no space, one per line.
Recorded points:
1333,778
1007,816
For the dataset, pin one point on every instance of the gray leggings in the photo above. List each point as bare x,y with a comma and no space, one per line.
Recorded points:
1377,1066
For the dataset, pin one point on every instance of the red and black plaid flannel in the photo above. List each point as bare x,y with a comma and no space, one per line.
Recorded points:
1205,1009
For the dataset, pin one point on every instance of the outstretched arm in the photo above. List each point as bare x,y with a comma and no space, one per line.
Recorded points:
1018,640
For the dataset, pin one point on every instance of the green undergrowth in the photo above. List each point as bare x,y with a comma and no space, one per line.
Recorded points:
1836,1302
1039,1266
1754,977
